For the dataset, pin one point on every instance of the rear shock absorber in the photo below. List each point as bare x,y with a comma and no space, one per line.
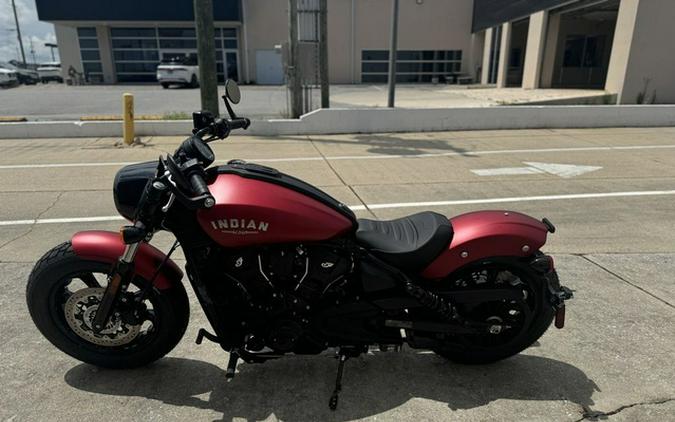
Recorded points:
430,300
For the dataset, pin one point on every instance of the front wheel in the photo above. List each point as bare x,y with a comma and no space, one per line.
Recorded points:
64,292
511,325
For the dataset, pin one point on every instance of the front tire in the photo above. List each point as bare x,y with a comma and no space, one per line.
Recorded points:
194,83
51,301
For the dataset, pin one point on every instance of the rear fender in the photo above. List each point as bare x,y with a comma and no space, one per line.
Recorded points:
484,234
104,246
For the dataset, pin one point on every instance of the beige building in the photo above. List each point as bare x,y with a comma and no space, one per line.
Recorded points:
621,46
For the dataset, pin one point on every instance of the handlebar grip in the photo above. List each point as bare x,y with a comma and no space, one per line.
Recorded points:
199,186
239,123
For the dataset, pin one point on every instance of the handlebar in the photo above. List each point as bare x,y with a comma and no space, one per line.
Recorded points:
193,156
221,128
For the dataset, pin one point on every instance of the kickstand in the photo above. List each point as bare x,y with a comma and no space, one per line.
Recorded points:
332,404
231,365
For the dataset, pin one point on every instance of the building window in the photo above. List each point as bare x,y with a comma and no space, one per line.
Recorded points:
584,51
90,55
138,51
411,65
136,54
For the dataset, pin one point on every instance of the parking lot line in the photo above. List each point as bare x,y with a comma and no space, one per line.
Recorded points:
365,157
389,205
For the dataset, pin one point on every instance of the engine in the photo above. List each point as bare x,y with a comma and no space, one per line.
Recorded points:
277,289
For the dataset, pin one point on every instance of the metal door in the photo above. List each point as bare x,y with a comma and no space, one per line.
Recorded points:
269,67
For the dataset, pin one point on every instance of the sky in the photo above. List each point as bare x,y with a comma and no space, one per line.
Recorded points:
31,28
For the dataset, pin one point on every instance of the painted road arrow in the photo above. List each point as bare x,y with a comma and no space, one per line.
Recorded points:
562,170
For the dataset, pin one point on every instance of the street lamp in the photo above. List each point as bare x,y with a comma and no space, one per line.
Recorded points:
51,46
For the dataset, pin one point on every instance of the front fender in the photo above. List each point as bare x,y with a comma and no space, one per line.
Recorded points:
104,246
484,234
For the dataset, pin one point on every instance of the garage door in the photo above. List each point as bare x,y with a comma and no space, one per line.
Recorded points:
269,67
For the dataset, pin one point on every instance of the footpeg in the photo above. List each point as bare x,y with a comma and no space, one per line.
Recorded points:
203,333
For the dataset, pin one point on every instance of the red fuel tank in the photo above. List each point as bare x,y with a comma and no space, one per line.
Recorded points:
251,212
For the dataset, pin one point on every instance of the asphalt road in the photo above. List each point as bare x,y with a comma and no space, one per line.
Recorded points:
45,102
614,246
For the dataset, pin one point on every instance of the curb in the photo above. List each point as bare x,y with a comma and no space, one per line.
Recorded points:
379,120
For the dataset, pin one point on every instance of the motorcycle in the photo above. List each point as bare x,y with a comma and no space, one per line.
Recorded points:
280,267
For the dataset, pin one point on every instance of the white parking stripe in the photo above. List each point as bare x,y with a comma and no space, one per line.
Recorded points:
515,199
390,205
363,157
60,220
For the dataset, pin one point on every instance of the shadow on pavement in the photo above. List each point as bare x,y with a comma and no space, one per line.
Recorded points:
386,144
298,388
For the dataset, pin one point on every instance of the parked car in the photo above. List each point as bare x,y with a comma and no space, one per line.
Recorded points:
8,78
178,70
23,74
50,72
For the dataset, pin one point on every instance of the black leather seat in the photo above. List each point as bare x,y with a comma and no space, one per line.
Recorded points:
409,243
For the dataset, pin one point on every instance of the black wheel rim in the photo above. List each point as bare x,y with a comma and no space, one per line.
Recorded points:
500,323
77,280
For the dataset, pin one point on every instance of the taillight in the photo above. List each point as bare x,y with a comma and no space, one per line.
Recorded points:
543,264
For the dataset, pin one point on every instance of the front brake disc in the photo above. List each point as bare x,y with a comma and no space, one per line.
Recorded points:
80,309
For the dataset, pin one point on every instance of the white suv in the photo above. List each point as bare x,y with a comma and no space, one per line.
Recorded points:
178,71
8,77
50,71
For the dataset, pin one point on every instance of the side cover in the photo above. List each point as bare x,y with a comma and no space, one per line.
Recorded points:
107,247
485,234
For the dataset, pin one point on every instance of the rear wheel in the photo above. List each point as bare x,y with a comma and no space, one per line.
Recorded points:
194,83
64,292
511,325
165,85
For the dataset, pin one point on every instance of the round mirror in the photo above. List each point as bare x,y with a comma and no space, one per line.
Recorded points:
232,91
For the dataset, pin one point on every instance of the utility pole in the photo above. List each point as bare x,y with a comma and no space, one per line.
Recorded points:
32,50
18,33
392,53
294,79
206,53
323,54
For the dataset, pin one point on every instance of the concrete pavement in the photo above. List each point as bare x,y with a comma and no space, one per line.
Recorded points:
614,246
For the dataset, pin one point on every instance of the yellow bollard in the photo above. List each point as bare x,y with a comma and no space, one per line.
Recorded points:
128,113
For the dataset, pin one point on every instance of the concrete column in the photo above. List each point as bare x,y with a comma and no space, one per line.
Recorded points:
485,72
550,51
621,46
69,50
504,50
105,50
639,71
536,34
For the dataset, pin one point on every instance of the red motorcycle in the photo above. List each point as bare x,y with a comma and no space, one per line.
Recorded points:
281,267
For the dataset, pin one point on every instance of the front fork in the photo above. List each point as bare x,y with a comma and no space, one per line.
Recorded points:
123,271
118,281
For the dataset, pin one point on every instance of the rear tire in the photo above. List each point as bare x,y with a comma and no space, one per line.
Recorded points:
194,83
541,318
48,289
165,85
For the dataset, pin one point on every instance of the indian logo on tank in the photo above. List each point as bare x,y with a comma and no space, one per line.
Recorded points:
240,226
